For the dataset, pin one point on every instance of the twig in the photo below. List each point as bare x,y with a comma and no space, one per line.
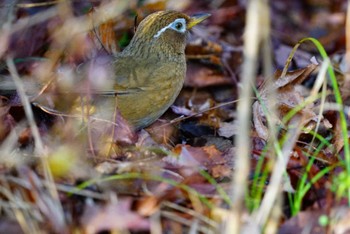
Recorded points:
39,146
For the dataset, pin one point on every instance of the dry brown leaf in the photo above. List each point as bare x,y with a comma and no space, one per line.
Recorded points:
288,97
190,159
200,76
104,36
228,129
113,217
6,120
306,220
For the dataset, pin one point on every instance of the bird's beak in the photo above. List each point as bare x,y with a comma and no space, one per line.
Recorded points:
196,19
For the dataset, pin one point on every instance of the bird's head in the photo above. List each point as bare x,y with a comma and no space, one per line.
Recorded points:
166,30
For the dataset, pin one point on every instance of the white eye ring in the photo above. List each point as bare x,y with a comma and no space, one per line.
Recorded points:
179,25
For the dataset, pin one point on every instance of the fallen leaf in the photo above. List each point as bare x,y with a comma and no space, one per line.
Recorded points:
190,159
113,217
200,76
288,97
305,220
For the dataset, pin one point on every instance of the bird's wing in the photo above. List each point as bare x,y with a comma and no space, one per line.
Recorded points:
138,76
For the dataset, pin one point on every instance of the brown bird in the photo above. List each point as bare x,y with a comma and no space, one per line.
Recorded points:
149,73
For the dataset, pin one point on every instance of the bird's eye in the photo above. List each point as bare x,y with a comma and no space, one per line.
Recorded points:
178,25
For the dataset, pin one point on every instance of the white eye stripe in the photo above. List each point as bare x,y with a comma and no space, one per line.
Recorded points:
173,25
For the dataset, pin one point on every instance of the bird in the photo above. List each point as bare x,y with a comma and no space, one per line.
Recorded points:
151,70
148,75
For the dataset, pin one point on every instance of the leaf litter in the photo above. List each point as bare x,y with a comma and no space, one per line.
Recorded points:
163,165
